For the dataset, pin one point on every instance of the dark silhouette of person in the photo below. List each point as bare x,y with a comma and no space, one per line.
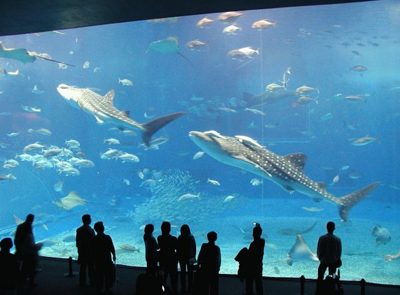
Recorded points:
27,251
103,248
84,240
151,247
9,268
186,256
168,256
209,262
329,253
255,262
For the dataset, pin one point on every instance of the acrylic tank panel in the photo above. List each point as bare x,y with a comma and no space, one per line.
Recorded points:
320,80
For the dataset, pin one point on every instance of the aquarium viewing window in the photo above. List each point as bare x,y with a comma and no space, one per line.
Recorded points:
287,117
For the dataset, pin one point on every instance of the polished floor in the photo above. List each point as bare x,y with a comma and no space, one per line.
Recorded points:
52,280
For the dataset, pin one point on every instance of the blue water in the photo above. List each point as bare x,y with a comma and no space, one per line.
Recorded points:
320,44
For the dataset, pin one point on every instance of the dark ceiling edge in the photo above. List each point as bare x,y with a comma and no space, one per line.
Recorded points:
21,17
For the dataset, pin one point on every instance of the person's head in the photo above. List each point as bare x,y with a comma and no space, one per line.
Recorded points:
29,218
330,226
165,228
99,227
185,230
257,231
148,229
86,219
212,236
6,244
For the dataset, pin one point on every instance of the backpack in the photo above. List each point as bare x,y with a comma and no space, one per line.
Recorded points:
332,286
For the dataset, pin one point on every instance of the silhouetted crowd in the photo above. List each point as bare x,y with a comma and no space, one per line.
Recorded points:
96,256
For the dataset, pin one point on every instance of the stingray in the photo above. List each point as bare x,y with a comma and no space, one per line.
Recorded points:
166,46
70,201
300,251
18,220
25,56
296,231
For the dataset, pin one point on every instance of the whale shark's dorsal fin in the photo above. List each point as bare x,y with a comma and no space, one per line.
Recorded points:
247,140
126,113
297,159
109,97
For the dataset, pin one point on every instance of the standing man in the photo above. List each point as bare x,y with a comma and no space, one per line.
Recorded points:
84,243
255,263
168,257
27,251
329,253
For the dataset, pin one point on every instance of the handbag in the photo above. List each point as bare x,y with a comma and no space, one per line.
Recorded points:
338,263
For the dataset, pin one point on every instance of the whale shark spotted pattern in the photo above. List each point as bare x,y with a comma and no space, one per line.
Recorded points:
286,171
102,108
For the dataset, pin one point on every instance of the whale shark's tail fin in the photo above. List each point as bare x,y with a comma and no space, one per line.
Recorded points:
348,201
153,126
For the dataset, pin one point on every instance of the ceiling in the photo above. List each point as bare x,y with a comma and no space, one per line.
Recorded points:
23,16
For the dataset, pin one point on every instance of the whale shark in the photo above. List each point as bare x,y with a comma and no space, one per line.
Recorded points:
102,108
286,171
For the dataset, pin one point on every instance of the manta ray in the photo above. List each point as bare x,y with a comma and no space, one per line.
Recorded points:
300,251
166,46
286,171
70,201
24,56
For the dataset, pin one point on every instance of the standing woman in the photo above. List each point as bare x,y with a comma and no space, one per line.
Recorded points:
186,256
151,250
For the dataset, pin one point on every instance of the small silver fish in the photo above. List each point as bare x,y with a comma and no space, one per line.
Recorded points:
214,182
198,155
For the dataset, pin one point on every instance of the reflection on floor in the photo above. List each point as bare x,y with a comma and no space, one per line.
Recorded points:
51,280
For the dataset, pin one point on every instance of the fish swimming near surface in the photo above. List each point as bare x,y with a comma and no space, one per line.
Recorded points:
102,108
286,171
262,24
300,251
204,22
229,16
